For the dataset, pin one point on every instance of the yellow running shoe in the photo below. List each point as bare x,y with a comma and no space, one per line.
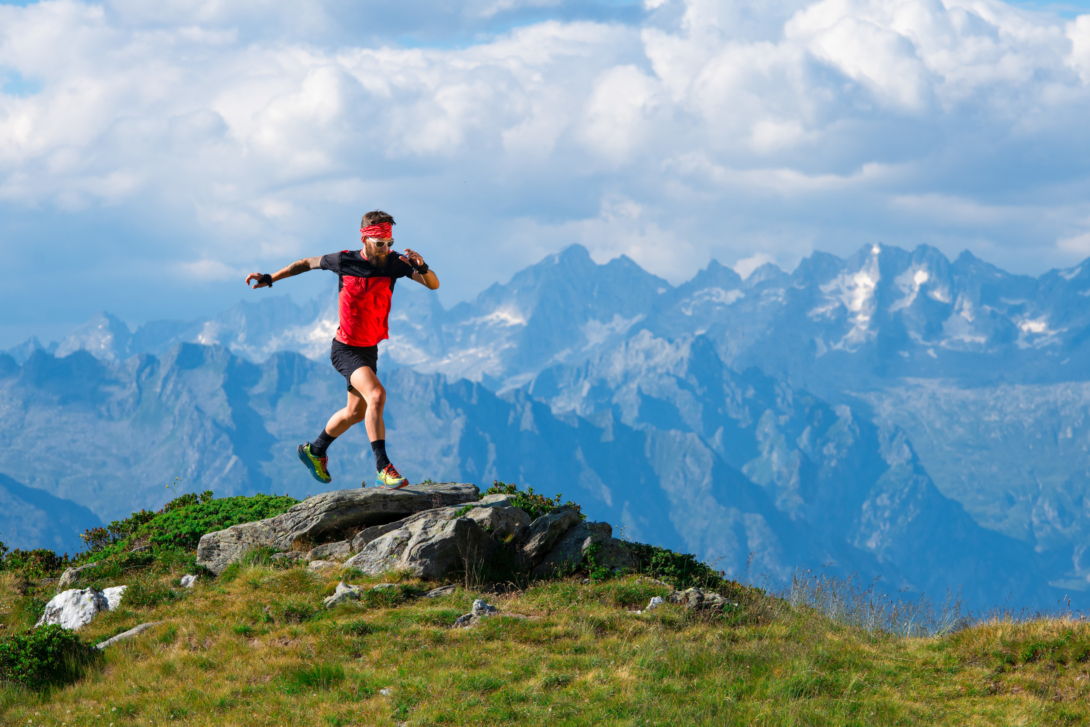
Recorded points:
316,465
390,479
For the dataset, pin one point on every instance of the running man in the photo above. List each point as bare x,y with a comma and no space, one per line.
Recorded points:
366,284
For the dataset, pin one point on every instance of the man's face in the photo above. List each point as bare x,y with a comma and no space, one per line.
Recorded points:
376,248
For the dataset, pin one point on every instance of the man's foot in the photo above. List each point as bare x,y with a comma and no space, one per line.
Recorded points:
316,465
390,479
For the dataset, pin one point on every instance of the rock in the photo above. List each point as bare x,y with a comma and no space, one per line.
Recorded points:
546,530
568,553
321,564
343,594
322,516
114,596
504,523
340,550
429,545
189,581
72,576
441,591
383,586
696,599
656,601
127,635
497,501
76,607
481,609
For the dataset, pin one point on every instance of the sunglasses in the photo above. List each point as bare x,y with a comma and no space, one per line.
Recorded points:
382,243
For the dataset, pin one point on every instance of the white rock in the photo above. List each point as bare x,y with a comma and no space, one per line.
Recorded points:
189,581
320,564
655,603
77,607
113,596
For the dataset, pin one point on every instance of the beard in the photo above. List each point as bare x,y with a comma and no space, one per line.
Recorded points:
378,256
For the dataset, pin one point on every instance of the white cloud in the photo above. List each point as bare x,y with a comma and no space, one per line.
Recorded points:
746,266
1076,244
261,129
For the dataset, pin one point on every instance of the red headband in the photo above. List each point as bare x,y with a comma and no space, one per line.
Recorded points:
383,229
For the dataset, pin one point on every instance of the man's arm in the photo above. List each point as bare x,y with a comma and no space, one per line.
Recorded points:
299,266
429,279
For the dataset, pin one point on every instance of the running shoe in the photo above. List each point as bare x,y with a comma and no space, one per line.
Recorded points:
316,465
390,479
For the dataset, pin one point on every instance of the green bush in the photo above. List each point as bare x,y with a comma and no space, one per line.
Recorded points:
182,522
681,570
532,503
37,563
44,656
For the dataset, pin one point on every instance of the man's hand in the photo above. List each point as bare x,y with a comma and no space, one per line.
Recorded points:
412,258
264,280
256,278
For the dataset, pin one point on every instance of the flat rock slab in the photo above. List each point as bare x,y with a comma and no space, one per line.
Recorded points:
131,633
323,517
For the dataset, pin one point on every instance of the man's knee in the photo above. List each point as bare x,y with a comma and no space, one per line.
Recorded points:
376,397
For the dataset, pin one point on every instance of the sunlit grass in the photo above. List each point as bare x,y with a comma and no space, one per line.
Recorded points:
258,648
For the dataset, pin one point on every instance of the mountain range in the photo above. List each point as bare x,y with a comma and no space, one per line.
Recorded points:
892,414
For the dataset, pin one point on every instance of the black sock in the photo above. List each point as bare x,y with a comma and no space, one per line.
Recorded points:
319,445
379,448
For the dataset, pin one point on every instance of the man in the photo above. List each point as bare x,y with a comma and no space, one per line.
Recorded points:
366,284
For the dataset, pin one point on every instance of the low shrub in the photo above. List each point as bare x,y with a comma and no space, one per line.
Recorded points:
42,657
37,563
181,523
532,503
681,570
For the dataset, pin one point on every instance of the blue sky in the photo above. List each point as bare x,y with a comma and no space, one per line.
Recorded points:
151,154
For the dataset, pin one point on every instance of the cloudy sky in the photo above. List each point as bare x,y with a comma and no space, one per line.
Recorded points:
153,153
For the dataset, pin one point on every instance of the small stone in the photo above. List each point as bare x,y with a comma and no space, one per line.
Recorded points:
320,564
383,586
343,594
586,581
441,591
480,606
189,581
656,601
72,576
384,692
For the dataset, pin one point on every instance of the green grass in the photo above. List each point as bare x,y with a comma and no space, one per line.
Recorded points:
261,650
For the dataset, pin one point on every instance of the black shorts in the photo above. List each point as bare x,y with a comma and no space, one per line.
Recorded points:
346,359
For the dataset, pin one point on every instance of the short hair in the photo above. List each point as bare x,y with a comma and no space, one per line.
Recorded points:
377,217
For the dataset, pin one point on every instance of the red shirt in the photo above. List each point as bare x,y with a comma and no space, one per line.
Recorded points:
364,294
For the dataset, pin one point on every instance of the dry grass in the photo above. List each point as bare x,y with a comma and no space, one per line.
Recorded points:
258,649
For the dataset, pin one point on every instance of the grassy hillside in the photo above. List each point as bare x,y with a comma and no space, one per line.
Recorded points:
256,647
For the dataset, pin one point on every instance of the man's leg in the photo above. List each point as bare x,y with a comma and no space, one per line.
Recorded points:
313,454
370,388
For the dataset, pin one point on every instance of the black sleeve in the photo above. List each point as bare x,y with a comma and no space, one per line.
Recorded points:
345,263
332,261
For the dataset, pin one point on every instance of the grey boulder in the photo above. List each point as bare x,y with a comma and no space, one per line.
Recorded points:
575,545
324,516
340,550
503,522
546,531
431,545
